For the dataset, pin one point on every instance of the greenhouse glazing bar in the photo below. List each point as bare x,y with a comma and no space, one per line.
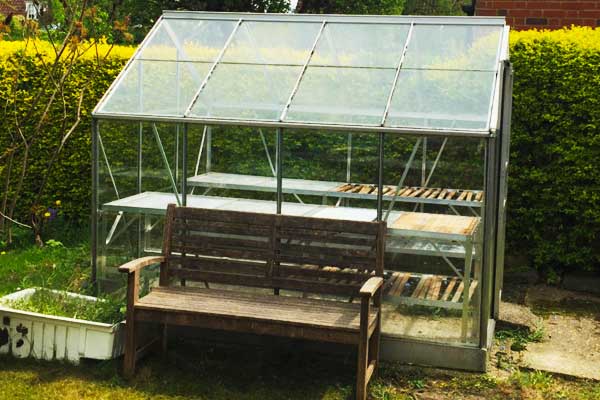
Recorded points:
341,19
473,133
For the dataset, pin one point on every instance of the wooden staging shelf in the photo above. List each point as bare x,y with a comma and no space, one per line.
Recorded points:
442,196
429,290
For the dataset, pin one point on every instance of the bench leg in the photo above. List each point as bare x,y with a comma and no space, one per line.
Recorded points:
374,344
361,371
130,348
164,340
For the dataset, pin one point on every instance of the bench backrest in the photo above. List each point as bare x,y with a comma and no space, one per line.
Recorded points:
271,251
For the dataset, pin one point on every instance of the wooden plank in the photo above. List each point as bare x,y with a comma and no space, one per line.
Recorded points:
462,196
402,283
425,288
434,291
343,188
469,196
402,191
459,291
224,215
366,189
449,288
327,224
181,226
472,288
479,196
320,249
417,192
407,192
442,194
327,273
450,195
324,260
419,287
437,223
434,194
427,193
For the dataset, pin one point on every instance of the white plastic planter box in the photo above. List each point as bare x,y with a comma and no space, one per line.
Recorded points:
47,337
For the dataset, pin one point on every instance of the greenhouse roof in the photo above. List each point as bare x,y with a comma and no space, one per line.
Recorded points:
362,73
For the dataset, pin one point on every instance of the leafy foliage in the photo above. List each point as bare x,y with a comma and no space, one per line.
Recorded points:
434,7
145,13
44,301
554,196
376,7
23,100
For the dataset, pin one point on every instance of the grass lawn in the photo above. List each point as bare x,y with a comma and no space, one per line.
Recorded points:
235,373
211,371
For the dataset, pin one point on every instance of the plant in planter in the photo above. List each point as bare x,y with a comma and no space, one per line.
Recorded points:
49,324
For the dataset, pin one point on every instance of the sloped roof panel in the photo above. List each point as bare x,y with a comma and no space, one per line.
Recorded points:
430,73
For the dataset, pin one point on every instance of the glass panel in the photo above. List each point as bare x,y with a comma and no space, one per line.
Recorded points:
342,95
156,88
272,43
453,47
430,267
188,40
246,92
361,45
442,99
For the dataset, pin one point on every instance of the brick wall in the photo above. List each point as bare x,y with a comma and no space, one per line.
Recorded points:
15,7
548,14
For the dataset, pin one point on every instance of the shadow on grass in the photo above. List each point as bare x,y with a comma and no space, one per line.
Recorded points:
277,370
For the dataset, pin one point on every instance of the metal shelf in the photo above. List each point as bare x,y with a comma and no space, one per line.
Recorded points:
401,239
325,189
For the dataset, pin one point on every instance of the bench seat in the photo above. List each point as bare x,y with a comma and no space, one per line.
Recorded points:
307,315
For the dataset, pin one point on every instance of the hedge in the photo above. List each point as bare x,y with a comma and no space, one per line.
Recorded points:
554,186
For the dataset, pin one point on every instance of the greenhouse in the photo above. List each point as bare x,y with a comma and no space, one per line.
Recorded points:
370,118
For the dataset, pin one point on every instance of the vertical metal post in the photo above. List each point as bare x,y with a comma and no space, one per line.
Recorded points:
139,183
208,149
424,163
506,114
424,167
279,171
349,159
489,225
95,184
184,170
380,155
177,152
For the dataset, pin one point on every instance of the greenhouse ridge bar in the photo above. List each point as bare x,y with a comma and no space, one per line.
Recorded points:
395,118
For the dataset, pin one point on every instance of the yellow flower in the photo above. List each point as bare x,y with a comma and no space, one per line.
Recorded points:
57,202
47,214
2,253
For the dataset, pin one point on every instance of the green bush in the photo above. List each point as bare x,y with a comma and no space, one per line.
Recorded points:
554,185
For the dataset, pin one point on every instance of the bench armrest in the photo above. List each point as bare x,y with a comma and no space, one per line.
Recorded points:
371,286
138,264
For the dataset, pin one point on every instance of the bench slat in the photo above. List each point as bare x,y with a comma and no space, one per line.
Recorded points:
290,310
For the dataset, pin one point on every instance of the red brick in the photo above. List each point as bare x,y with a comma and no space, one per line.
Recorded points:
488,12
557,13
543,5
525,13
589,13
554,13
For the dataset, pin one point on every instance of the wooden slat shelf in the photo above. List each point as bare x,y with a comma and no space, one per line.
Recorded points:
442,196
426,289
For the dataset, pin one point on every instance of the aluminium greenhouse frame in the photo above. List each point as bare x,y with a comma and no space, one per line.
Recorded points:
496,135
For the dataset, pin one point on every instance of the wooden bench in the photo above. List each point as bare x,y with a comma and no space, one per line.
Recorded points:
299,255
